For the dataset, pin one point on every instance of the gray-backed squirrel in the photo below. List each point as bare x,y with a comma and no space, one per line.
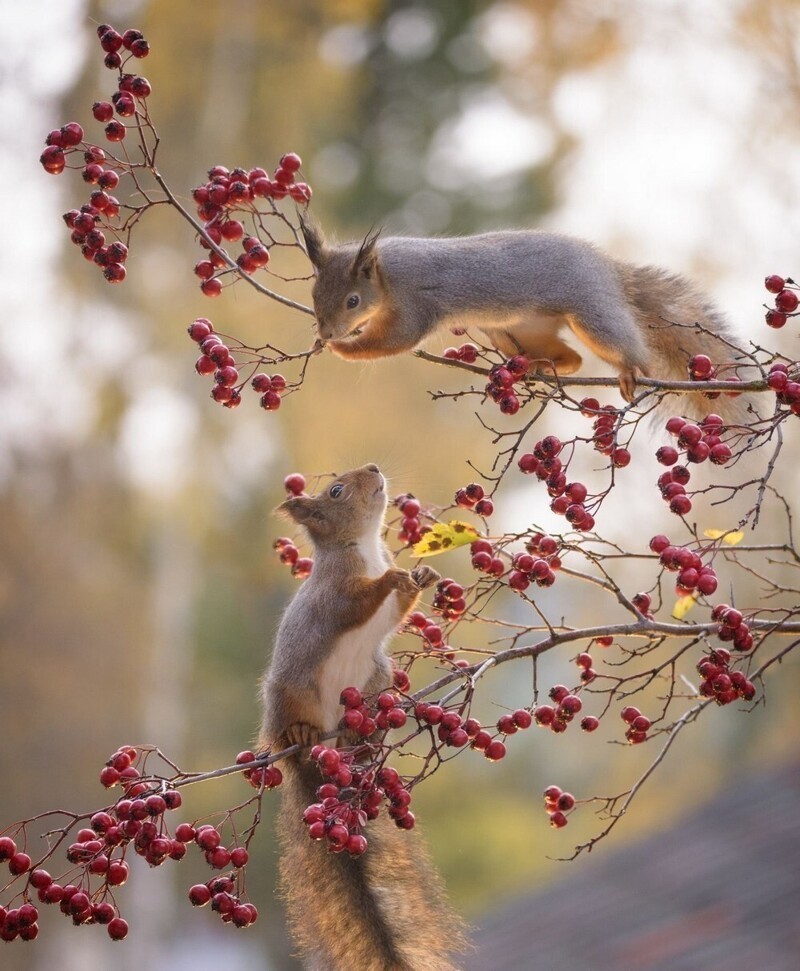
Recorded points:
385,295
385,910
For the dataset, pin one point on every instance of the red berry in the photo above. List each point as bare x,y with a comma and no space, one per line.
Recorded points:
774,283
291,162
19,863
117,929
271,401
700,366
786,301
53,160
589,723
117,873
522,718
212,287
495,751
294,483
680,505
776,319
667,455
518,581
115,131
7,848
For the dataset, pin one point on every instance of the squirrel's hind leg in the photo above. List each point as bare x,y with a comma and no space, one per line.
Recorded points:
546,351
616,338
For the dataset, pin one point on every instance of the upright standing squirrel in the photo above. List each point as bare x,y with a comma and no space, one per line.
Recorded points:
384,296
385,910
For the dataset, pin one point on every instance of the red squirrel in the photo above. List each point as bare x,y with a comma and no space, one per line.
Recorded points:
385,910
523,289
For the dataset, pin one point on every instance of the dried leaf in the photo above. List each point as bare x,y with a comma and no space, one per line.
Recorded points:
445,536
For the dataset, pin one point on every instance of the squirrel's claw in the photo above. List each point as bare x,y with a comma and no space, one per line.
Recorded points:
424,576
627,383
302,734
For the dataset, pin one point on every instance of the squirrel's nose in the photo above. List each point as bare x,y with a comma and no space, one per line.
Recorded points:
372,467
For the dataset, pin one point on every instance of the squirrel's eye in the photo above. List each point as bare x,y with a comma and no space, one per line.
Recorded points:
335,490
353,301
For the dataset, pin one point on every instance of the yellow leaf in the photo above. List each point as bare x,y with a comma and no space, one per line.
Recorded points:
445,536
683,605
732,537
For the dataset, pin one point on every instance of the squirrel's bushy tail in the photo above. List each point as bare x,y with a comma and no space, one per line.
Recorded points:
678,321
383,911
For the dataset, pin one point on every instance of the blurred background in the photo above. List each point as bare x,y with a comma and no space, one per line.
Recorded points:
138,589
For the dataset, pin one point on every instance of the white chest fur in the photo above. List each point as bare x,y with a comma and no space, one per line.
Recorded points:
352,660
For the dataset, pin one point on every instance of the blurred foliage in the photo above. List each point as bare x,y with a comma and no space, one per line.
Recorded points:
138,590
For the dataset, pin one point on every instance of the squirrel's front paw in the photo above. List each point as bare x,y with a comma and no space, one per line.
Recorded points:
302,734
424,576
403,582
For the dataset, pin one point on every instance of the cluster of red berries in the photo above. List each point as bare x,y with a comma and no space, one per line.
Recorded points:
786,299
604,439
349,798
18,922
697,441
114,43
568,498
585,661
473,497
672,485
98,850
230,191
557,804
448,601
565,707
484,559
693,574
502,379
225,900
527,569
289,555
638,724
432,633
702,368
719,682
138,818
262,776
538,565
732,627
781,379
468,353
455,732
90,224
411,530
216,359
364,720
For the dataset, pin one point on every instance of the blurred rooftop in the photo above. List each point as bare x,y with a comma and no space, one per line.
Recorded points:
721,889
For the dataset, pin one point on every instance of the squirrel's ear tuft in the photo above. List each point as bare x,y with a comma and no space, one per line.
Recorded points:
316,247
367,256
